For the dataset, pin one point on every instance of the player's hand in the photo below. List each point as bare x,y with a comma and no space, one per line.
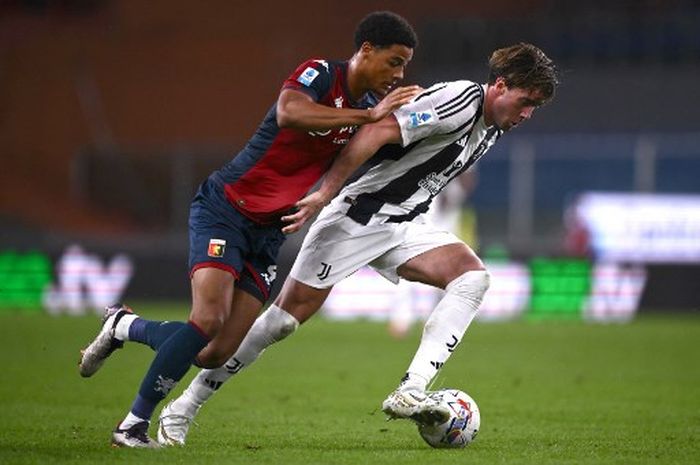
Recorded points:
392,101
307,208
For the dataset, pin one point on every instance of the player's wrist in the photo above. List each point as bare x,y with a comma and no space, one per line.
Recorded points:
371,115
325,196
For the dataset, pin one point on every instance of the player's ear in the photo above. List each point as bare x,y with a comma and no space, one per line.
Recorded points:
366,48
501,85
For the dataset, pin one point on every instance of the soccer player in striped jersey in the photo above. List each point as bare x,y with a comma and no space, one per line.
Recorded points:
378,220
235,218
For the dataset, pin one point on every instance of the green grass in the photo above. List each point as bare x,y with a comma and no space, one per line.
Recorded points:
549,393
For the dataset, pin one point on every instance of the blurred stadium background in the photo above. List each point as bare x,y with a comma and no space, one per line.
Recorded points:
112,112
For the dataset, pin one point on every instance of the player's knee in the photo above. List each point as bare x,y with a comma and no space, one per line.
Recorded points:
472,284
485,280
209,323
286,328
283,327
280,323
209,314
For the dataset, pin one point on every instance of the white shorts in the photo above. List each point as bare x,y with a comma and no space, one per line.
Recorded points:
336,246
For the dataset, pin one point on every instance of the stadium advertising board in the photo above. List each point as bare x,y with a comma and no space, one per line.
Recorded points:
542,288
83,282
639,228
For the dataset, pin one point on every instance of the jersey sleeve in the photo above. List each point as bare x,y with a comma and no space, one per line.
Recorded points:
440,109
313,77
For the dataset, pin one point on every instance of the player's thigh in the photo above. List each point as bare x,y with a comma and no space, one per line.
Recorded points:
441,265
244,310
252,289
301,300
226,246
217,246
218,234
212,293
428,255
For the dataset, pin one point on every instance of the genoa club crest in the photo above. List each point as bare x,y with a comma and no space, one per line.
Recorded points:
216,248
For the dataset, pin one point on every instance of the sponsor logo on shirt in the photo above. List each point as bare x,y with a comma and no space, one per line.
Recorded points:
418,118
433,183
308,76
320,133
340,137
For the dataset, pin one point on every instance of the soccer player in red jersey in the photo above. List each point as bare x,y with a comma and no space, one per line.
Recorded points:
235,218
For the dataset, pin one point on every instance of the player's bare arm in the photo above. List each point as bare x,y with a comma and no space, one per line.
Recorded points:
368,140
297,110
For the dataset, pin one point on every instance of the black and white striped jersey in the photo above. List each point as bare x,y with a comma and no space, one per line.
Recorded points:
443,133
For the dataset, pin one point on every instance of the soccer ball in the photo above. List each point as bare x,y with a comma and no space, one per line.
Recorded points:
462,426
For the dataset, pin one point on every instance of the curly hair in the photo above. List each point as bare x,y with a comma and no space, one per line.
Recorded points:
383,29
524,66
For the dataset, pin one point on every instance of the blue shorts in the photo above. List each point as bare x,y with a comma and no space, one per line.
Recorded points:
221,237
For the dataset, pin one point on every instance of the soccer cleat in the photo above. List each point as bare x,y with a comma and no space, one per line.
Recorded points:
415,405
94,355
173,426
136,437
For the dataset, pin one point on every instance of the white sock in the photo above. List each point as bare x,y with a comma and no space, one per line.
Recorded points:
195,395
130,421
271,326
121,331
446,325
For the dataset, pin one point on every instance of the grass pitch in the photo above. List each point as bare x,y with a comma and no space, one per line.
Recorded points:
549,393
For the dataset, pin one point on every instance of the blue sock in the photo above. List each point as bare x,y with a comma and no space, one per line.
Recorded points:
170,364
153,333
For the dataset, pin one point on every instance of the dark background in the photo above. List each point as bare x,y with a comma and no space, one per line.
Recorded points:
112,111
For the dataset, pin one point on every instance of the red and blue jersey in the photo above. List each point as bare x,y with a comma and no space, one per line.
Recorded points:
278,166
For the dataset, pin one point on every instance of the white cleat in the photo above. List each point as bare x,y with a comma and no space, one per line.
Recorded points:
415,405
95,354
173,426
135,437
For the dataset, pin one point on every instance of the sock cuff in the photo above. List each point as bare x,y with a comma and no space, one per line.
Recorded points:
277,324
123,325
199,330
475,281
282,315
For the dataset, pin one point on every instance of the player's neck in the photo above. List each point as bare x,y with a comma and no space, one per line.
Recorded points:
488,99
356,86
